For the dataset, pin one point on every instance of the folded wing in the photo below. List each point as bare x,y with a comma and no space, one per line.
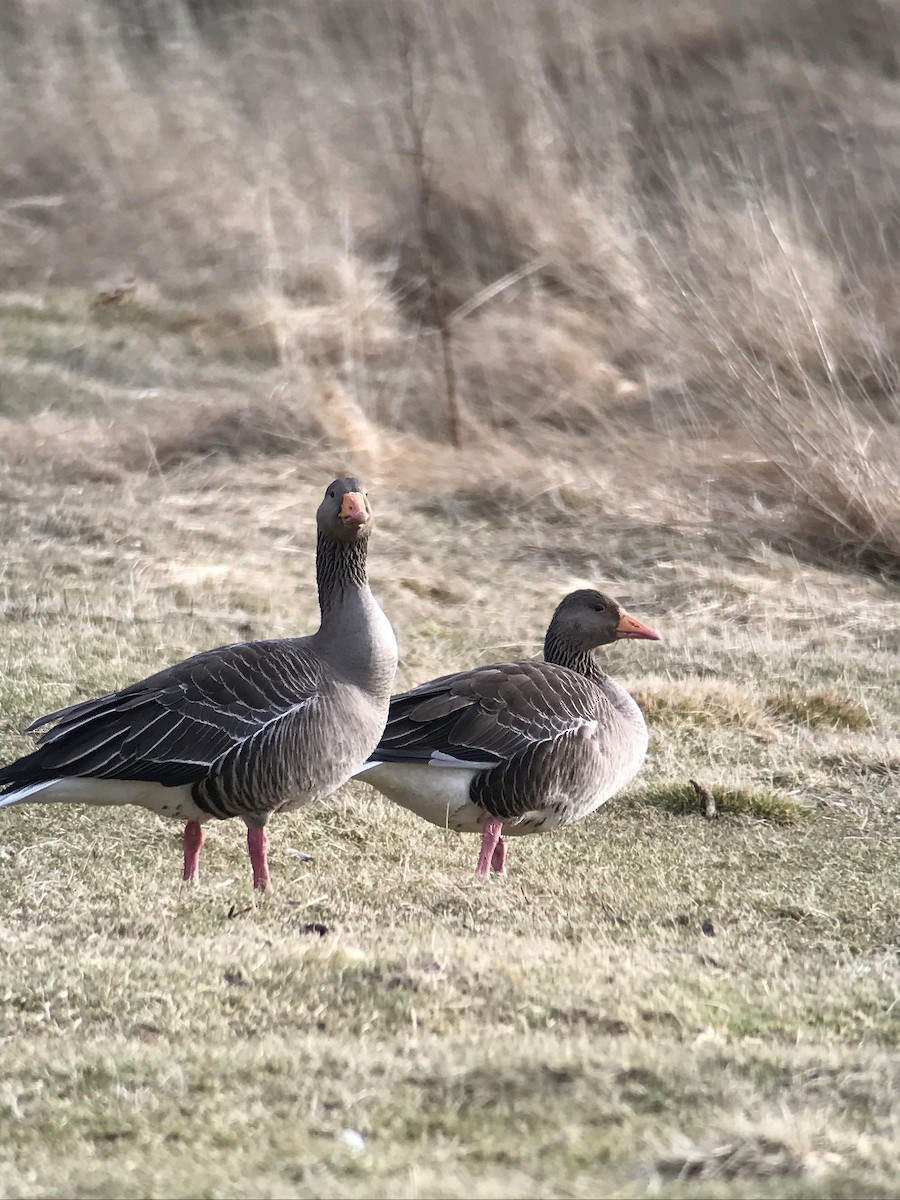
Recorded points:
487,716
175,726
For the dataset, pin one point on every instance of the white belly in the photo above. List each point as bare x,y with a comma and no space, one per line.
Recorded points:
436,794
440,795
175,802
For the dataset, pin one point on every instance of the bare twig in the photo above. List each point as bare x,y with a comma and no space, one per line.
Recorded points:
416,111
497,288
116,293
707,799
34,202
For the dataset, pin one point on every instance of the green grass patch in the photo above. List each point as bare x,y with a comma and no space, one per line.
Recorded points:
682,799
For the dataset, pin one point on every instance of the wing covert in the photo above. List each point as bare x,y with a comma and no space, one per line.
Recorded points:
488,715
174,726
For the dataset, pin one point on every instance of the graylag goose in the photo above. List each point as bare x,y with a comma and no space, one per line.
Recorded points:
246,730
518,747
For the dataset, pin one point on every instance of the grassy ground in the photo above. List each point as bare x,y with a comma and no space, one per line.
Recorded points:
653,244
650,1001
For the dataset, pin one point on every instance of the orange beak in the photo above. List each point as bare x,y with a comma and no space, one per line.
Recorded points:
353,512
631,627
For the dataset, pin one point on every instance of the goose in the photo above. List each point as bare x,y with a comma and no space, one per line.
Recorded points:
518,747
245,730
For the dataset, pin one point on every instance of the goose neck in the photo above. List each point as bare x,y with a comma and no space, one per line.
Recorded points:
354,636
340,568
566,652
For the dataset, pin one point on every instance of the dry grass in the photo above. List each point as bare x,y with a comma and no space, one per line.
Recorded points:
680,223
664,238
681,702
635,985
829,706
702,702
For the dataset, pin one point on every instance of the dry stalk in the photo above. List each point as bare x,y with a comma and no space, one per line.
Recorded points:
706,798
416,112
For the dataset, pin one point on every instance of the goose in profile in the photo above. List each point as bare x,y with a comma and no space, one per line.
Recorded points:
518,747
245,730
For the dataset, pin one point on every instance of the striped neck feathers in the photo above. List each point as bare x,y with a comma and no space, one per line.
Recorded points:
340,567
565,651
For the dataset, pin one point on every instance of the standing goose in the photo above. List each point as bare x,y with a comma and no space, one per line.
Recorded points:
518,747
241,731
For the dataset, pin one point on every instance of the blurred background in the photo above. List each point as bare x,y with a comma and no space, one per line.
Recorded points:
650,244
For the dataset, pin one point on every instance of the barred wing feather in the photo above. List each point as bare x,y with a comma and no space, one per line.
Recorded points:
177,725
489,715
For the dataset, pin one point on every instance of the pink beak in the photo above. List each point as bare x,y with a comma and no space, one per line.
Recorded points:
353,512
631,627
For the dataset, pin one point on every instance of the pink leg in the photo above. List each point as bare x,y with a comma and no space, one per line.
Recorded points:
194,837
489,840
258,845
498,858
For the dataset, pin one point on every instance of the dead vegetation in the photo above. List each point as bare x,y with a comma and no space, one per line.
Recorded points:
652,220
754,1158
701,702
829,707
716,702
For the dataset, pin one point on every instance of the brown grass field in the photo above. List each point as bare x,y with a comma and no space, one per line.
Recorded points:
656,243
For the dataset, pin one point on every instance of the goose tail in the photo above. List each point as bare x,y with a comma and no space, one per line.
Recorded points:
25,793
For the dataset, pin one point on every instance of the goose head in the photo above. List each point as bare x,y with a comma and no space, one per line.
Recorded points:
344,514
589,619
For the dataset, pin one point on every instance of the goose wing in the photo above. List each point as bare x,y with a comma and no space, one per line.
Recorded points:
175,726
488,716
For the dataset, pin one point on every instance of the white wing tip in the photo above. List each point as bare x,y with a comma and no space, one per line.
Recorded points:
438,759
367,766
21,794
441,759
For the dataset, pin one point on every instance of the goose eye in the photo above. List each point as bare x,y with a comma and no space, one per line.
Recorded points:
331,495
599,608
